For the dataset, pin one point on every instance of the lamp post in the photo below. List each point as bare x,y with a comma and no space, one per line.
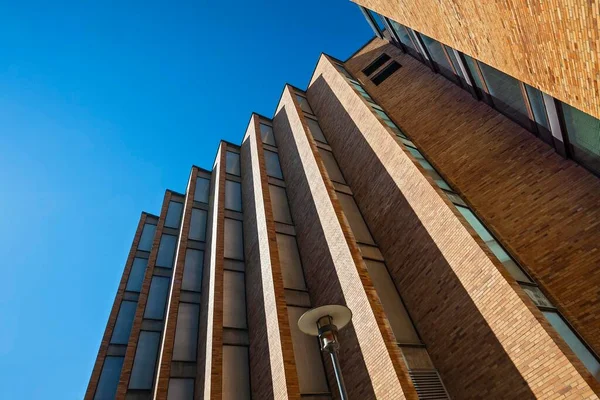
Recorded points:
324,322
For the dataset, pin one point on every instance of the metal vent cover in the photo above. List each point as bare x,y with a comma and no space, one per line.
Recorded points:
428,384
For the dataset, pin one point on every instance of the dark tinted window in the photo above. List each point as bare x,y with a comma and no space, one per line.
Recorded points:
136,275
198,225
174,214
142,373
386,73
166,251
202,190
232,163
376,64
157,298
147,237
109,378
124,322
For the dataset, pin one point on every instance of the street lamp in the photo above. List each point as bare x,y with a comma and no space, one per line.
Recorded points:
324,322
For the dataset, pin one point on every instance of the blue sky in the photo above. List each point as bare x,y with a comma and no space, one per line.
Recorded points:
103,106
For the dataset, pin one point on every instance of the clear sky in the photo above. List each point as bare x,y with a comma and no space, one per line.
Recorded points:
103,106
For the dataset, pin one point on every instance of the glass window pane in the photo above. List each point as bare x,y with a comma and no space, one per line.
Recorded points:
202,190
473,70
311,374
539,299
315,130
456,199
192,270
392,303
157,298
402,34
232,163
186,332
198,225
537,105
233,196
331,165
180,389
266,134
437,54
272,165
475,223
109,378
506,91
291,266
355,219
136,275
454,60
377,18
147,237
124,322
511,266
142,373
304,104
279,205
234,242
166,251
344,71
174,214
234,300
584,136
586,357
236,369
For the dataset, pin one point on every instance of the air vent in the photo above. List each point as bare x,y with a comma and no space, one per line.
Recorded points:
428,384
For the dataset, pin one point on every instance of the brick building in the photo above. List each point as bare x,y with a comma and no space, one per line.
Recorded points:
442,183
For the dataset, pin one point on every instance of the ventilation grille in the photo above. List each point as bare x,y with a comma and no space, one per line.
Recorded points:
428,384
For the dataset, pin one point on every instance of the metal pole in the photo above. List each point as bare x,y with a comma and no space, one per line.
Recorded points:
338,375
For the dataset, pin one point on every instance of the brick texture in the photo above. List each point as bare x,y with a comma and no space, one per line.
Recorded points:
551,45
484,335
542,207
91,389
168,340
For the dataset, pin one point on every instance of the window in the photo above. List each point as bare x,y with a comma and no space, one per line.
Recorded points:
124,322
272,165
232,163
279,205
429,169
438,56
393,306
144,363
266,134
109,378
233,196
234,242
355,219
402,34
506,91
455,62
192,270
581,351
385,73
157,298
584,136
180,389
234,300
291,266
376,64
198,225
236,369
136,275
166,251
377,19
202,190
474,70
174,214
315,130
147,237
304,106
186,332
536,100
331,166
311,374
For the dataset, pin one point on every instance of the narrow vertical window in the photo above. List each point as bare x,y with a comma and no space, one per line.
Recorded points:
157,298
232,163
166,251
180,389
202,191
233,196
584,136
192,270
315,130
174,214
266,134
147,237
136,275
234,243
234,300
144,363
124,322
236,369
304,106
198,225
109,378
186,332
272,165
279,205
